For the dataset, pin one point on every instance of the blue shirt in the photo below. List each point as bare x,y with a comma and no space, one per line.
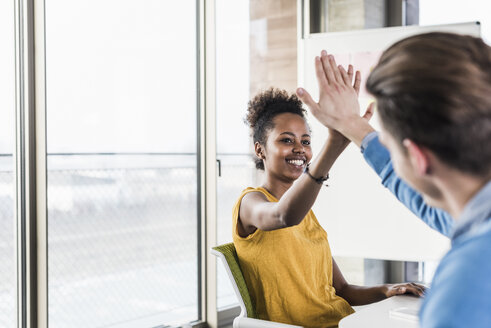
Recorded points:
460,293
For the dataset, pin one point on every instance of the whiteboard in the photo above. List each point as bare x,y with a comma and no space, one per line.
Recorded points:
361,217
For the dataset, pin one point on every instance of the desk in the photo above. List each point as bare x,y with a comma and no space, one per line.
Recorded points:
377,314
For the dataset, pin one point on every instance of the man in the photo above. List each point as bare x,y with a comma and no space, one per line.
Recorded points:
433,95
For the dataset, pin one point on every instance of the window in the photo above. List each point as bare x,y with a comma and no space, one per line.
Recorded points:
122,163
256,50
8,291
232,94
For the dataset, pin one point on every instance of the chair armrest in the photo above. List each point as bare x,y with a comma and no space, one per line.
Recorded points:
242,322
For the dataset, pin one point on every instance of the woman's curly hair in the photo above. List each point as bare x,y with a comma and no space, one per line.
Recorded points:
263,108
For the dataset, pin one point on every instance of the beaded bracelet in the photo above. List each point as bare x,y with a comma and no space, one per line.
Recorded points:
317,180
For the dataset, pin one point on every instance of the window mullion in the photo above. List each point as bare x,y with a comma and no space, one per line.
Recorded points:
30,158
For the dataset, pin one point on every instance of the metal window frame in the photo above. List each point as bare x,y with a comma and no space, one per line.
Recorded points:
30,161
303,32
208,159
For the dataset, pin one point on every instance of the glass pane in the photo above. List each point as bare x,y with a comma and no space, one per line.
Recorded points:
122,164
256,50
335,16
232,92
8,281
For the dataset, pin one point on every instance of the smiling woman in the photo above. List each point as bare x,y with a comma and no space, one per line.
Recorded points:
283,250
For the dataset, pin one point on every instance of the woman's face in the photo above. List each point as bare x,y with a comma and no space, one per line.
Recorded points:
288,148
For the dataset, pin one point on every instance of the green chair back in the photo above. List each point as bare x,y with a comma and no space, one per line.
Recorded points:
232,261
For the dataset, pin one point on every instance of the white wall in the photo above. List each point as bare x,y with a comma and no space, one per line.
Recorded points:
361,217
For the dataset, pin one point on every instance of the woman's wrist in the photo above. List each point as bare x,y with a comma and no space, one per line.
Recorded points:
384,290
337,141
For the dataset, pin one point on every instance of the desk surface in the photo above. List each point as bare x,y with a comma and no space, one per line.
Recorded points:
377,314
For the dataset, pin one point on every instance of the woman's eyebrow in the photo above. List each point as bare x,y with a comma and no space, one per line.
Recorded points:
293,134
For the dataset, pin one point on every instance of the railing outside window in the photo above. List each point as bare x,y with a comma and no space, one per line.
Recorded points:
122,239
8,291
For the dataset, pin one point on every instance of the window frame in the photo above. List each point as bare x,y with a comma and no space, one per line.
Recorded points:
30,161
30,158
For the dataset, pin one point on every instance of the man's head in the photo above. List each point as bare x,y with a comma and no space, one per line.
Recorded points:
433,95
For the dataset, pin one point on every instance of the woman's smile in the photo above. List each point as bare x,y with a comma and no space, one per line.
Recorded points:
297,162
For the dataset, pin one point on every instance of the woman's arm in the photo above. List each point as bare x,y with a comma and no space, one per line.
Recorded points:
256,212
360,295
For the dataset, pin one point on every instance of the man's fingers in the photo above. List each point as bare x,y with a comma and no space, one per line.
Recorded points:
344,75
335,69
321,75
357,82
327,67
305,97
350,73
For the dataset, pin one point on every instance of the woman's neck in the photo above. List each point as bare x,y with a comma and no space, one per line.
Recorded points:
275,187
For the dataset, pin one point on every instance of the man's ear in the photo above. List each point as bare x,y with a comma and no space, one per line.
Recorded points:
258,149
418,156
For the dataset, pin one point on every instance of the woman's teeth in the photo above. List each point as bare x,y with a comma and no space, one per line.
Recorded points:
297,162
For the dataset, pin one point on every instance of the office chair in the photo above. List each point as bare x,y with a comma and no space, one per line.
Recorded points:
247,317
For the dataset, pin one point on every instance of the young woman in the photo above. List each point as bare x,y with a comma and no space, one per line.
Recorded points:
283,251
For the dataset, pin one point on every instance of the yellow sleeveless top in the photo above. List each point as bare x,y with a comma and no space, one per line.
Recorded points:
289,272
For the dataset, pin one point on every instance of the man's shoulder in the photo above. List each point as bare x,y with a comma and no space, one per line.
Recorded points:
459,295
473,251
467,259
